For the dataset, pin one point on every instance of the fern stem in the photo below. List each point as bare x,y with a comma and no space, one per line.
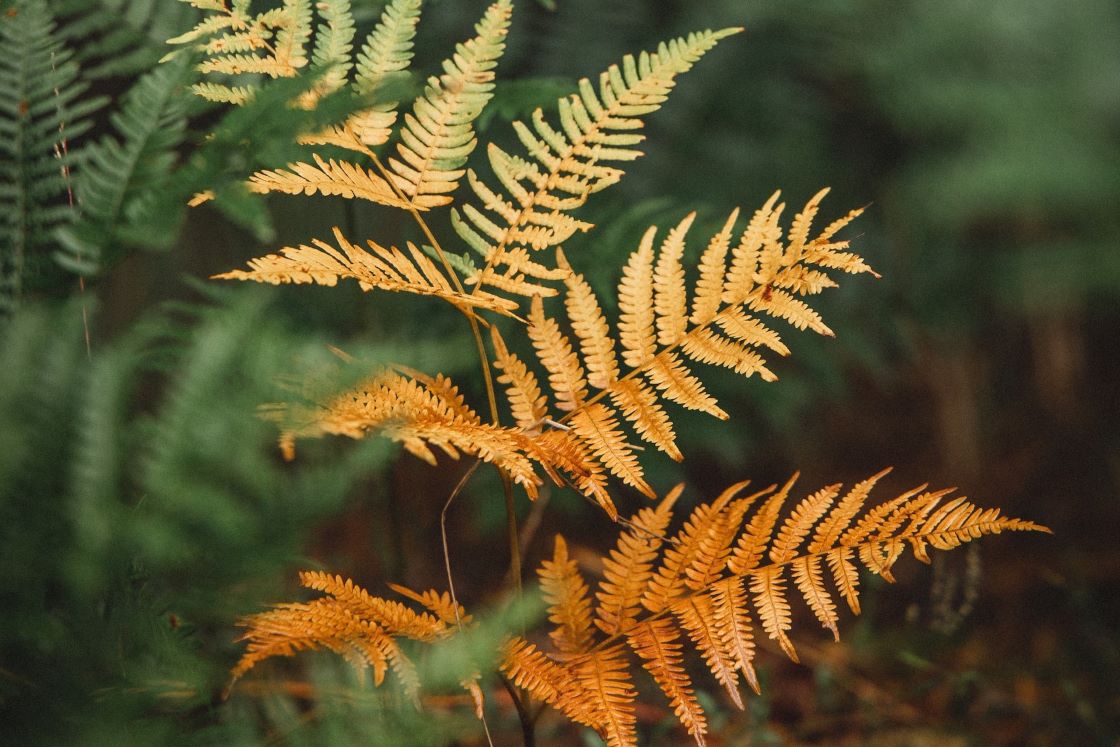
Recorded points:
528,723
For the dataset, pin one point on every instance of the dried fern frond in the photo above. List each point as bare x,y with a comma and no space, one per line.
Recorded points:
235,42
701,589
421,414
660,329
438,135
426,415
380,268
566,165
348,621
706,584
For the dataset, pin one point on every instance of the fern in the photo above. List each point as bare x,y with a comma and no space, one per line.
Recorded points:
43,113
567,164
117,38
438,136
385,55
657,331
699,590
382,268
118,177
597,385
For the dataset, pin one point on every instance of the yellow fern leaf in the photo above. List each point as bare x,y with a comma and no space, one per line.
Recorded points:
528,404
732,622
590,327
420,415
599,431
640,406
380,268
565,375
565,592
567,166
696,615
328,178
657,644
752,542
709,286
768,587
670,299
635,303
668,374
604,676
799,522
628,568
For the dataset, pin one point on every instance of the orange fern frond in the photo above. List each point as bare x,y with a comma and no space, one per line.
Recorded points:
657,332
380,268
427,415
685,600
565,591
348,621
651,605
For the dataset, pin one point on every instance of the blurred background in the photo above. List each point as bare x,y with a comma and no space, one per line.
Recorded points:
144,506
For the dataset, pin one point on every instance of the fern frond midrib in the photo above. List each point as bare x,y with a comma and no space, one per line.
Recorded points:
759,570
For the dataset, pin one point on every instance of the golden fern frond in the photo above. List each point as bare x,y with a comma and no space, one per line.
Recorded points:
658,329
427,415
438,135
590,676
629,566
273,43
715,616
566,165
420,414
380,268
565,591
348,621
328,178
528,404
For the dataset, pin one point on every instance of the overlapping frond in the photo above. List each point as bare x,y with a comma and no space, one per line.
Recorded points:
660,330
427,415
378,268
386,54
421,414
565,165
348,621
438,135
714,612
234,42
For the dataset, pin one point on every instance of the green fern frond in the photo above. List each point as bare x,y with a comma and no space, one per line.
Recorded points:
43,111
118,38
565,166
119,174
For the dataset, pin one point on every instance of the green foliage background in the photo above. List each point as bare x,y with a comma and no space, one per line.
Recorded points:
143,506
